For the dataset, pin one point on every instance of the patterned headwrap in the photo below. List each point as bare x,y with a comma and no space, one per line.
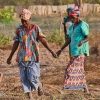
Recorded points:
75,12
76,8
25,14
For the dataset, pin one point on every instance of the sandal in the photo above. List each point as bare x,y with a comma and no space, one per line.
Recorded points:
40,90
86,91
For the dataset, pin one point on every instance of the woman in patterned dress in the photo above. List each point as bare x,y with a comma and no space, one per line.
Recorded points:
27,37
78,40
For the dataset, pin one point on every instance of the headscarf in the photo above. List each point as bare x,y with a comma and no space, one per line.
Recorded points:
76,8
69,9
25,14
75,11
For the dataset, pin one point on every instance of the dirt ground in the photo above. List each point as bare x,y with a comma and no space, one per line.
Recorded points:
52,72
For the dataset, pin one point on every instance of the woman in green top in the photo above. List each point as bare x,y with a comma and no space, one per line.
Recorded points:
79,48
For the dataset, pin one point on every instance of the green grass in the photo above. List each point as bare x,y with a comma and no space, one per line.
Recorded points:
4,39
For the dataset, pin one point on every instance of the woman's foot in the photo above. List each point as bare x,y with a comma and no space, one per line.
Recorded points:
86,91
30,95
40,89
1,75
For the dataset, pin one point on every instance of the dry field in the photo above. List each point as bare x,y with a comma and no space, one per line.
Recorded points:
52,72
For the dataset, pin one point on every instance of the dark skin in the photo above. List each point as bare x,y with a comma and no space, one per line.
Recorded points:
77,21
14,48
26,24
68,19
1,75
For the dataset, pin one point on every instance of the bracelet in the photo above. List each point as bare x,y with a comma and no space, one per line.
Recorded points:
82,42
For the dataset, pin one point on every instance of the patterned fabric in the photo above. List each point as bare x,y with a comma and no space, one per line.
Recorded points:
29,46
76,8
74,75
25,14
75,12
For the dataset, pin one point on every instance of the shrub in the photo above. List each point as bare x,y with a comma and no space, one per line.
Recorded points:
56,37
4,40
6,15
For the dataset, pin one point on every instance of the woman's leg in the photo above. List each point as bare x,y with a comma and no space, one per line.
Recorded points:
30,95
33,77
86,90
40,89
25,82
1,75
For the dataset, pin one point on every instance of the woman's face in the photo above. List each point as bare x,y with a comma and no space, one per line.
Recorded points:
68,12
74,19
25,23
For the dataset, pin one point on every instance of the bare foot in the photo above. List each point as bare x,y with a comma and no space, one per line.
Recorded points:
63,88
30,95
40,89
86,91
1,75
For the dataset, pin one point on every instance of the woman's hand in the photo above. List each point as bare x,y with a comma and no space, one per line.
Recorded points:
80,44
59,52
9,60
54,54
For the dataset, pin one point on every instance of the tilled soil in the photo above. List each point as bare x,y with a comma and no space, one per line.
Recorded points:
52,72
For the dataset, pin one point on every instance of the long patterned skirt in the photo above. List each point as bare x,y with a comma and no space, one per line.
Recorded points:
74,75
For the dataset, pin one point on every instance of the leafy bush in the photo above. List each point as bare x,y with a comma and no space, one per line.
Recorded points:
61,40
6,15
56,37
4,40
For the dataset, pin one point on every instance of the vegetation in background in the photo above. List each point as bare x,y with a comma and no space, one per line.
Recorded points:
4,39
6,15
42,2
56,37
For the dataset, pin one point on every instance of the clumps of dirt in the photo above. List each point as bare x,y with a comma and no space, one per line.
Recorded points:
94,81
7,47
94,41
92,62
94,50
